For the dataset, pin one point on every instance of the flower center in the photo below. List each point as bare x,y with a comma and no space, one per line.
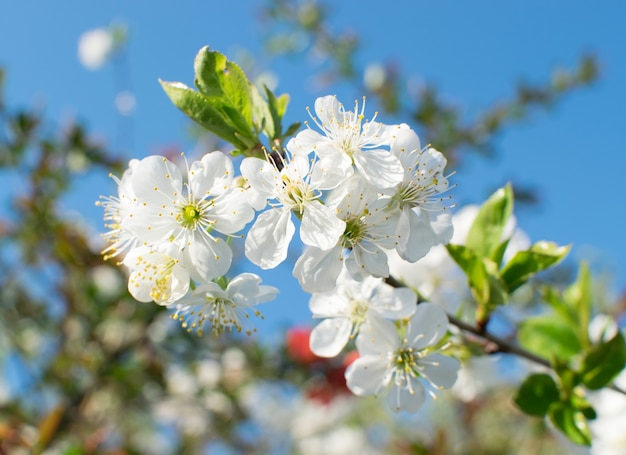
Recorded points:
359,310
358,314
296,194
404,359
405,367
190,215
355,228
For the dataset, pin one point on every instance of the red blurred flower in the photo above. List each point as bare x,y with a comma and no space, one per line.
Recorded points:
298,345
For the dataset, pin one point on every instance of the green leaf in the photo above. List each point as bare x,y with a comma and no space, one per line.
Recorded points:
486,232
549,336
277,110
199,108
483,279
578,300
603,362
581,403
218,77
525,264
261,117
571,422
475,270
536,394
292,129
498,253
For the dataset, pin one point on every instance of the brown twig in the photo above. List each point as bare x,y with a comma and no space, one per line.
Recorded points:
501,344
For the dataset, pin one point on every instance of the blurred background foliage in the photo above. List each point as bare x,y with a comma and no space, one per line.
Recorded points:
88,370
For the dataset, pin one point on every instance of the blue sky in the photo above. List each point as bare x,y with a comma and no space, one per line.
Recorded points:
472,51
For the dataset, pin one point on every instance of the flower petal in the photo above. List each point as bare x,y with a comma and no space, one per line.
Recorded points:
367,258
367,375
268,239
261,176
330,336
440,370
394,303
208,258
329,109
327,305
401,398
231,211
245,289
155,179
308,141
212,175
328,172
417,234
377,336
320,226
427,326
406,141
317,270
379,168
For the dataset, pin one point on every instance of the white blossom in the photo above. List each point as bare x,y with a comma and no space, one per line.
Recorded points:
295,188
404,364
370,228
350,305
424,220
117,213
168,209
157,274
347,139
225,308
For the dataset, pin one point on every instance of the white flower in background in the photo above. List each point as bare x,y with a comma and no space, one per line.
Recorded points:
341,440
95,47
464,218
374,77
125,102
404,365
424,220
436,276
370,227
347,139
169,210
224,308
609,437
296,189
350,305
157,275
481,375
288,418
107,280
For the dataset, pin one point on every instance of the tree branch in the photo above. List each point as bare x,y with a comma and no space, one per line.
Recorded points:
501,344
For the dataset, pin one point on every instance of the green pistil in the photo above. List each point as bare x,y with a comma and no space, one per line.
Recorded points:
297,194
405,360
222,282
353,232
359,311
190,215
407,194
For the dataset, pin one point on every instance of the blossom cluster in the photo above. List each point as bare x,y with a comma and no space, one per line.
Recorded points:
359,191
